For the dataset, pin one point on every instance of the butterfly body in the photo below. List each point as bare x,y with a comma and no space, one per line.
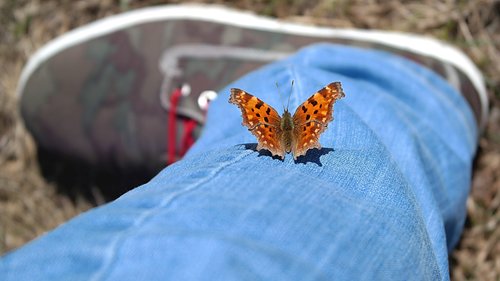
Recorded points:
287,128
295,133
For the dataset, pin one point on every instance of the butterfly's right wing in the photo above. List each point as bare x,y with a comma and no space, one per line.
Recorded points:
312,117
261,119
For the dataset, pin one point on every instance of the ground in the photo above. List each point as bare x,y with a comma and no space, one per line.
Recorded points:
31,204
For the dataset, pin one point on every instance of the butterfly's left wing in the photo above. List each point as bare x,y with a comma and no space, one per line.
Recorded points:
261,119
312,117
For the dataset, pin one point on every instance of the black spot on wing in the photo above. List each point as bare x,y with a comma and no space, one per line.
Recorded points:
304,109
316,111
258,115
259,104
266,119
268,111
313,102
308,117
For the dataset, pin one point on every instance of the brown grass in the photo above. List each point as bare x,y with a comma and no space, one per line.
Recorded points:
30,205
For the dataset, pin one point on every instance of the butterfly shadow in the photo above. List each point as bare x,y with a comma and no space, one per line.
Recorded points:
262,152
312,156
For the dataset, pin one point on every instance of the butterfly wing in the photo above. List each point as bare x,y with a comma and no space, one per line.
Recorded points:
261,119
312,117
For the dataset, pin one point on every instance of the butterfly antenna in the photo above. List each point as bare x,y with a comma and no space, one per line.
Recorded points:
291,91
279,93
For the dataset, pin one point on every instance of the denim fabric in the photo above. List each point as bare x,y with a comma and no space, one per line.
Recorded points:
384,199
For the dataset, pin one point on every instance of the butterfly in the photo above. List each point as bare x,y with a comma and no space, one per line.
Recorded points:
297,133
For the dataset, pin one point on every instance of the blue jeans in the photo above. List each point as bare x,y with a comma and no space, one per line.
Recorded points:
384,199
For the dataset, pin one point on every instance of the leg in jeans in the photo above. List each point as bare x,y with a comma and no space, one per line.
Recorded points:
383,199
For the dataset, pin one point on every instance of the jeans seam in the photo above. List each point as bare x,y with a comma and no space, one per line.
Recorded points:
122,237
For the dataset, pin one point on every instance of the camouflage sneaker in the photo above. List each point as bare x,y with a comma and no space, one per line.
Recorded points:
138,70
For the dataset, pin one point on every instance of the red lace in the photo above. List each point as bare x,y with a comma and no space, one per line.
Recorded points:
188,139
189,126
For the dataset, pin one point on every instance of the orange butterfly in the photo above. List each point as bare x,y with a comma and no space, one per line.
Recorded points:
285,134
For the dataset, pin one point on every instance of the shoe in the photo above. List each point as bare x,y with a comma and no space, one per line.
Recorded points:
132,90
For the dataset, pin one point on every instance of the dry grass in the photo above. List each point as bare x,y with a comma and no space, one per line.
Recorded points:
30,205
